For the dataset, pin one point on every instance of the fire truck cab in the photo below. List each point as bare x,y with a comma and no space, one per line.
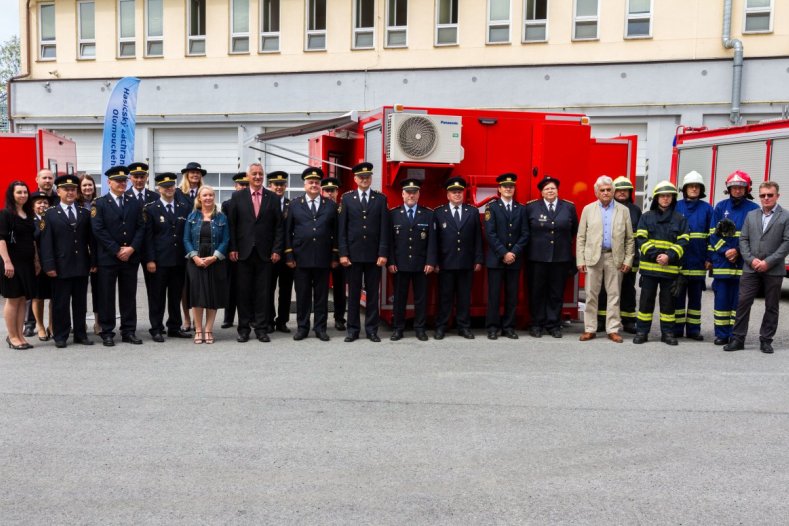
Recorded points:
29,153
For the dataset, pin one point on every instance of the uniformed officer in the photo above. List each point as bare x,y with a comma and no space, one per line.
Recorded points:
330,190
281,274
240,182
364,247
118,231
191,181
66,258
552,224
139,190
507,235
311,249
164,258
459,245
412,257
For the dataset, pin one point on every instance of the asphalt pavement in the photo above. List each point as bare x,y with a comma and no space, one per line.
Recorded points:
528,431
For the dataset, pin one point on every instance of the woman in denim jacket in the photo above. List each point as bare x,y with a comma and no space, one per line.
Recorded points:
206,238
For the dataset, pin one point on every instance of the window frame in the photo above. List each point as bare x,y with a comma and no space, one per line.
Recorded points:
452,25
363,30
537,22
309,19
649,17
754,11
126,40
153,39
194,38
49,43
585,19
489,24
390,29
85,41
262,35
238,35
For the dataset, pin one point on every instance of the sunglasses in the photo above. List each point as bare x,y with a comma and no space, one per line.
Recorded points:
765,196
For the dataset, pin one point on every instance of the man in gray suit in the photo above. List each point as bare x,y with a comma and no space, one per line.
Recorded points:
764,244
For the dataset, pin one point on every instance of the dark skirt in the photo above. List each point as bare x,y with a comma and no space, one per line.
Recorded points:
208,287
23,284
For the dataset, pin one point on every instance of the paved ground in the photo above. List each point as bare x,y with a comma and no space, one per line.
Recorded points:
453,432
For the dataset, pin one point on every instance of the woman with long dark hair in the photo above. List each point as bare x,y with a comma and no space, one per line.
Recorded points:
86,196
20,262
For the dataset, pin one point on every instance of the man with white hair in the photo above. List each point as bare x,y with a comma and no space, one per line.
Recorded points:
604,251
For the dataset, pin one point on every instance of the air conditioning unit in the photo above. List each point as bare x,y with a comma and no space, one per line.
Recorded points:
417,137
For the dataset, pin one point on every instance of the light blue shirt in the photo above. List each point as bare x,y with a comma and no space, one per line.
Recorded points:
608,223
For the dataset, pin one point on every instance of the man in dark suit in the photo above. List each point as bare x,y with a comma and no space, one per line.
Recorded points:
764,245
459,240
552,224
118,232
412,257
256,232
329,190
279,311
163,257
507,236
311,249
66,258
240,182
364,247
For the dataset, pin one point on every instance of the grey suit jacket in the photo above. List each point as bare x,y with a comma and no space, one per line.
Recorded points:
772,245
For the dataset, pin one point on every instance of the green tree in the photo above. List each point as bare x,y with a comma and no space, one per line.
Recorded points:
9,67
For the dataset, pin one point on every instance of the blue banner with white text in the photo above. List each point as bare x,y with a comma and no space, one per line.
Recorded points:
119,124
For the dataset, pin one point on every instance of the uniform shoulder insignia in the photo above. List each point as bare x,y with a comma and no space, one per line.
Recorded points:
348,192
488,215
532,201
428,208
393,208
566,201
93,211
42,224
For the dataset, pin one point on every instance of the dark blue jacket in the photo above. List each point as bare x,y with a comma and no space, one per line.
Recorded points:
363,235
164,234
113,229
727,209
311,241
458,248
506,233
412,245
551,236
64,248
698,214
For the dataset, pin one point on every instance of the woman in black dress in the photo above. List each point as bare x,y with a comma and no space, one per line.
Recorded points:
20,262
206,237
86,196
41,202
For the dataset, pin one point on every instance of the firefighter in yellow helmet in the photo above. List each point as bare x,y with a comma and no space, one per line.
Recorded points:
661,239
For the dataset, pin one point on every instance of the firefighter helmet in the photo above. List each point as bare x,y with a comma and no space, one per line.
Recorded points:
726,228
739,178
664,187
622,183
694,177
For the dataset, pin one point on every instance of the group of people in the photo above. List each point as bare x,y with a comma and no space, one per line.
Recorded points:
198,257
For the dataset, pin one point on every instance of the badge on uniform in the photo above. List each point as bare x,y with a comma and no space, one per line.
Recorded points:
543,217
444,224
423,235
93,211
487,215
161,219
42,225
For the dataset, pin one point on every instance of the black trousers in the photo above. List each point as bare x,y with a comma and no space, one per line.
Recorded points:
124,277
646,304
498,277
750,283
69,296
166,285
230,310
254,280
338,278
546,292
370,275
402,282
279,311
454,288
312,290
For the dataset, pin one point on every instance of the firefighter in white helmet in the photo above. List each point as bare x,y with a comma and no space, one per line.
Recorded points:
661,237
696,261
724,248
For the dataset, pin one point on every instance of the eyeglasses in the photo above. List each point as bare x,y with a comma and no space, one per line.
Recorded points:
765,196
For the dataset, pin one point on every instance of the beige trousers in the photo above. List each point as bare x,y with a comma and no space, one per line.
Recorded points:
603,273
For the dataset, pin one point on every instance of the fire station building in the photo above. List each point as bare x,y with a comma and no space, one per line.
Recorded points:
216,73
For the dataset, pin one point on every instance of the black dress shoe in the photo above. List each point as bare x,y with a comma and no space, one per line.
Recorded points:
536,332
268,329
178,333
157,337
29,331
467,334
300,335
397,334
131,338
640,338
243,338
721,341
339,325
493,335
439,335
373,337
263,337
107,341
510,333
283,328
556,333
734,345
766,347
629,328
351,338
697,337
83,341
227,324
61,344
322,336
421,336
668,339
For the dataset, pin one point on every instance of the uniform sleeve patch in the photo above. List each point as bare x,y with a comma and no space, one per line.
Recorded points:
93,211
487,215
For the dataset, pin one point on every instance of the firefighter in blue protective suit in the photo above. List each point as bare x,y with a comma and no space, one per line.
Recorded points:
661,238
724,248
693,273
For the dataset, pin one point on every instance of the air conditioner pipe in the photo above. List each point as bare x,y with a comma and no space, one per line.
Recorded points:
736,45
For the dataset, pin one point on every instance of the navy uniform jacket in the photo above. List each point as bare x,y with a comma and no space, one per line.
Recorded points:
185,198
150,195
551,238
64,248
458,248
412,246
113,229
505,233
164,234
363,237
263,233
311,242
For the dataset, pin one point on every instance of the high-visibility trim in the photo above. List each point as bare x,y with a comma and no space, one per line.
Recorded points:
678,249
642,233
678,320
726,272
628,314
601,313
679,312
634,269
686,272
723,313
723,323
717,246
685,237
693,321
644,316
654,267
667,318
712,231
699,235
693,312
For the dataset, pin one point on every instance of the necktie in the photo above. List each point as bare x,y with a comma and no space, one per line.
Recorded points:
256,202
456,215
364,200
312,207
192,194
550,208
71,217
170,209
120,202
141,198
508,208
411,215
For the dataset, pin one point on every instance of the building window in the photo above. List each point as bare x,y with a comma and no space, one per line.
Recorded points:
195,15
86,29
446,22
586,19
364,24
239,26
639,19
396,23
316,25
758,16
154,28
126,47
498,21
535,25
46,31
269,26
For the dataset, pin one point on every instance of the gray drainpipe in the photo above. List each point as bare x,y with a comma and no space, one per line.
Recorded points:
736,82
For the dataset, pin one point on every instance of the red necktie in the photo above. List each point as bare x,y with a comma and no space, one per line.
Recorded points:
256,202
